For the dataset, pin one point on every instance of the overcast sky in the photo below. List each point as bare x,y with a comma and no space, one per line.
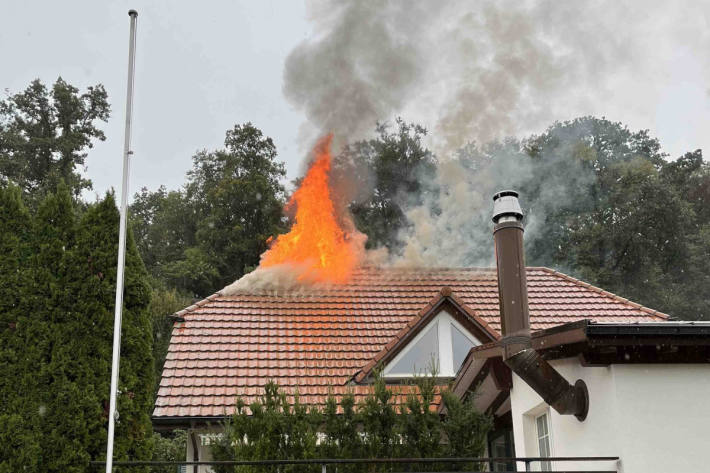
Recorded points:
202,69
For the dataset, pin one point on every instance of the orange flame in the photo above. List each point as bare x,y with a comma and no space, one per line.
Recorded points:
316,242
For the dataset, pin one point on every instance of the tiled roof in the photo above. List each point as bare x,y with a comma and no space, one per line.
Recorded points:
316,340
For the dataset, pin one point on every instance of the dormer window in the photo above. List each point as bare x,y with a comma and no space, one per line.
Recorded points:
442,344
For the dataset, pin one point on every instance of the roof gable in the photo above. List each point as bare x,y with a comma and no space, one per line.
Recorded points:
445,300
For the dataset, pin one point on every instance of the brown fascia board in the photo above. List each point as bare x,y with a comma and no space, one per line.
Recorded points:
596,344
489,356
594,334
567,334
644,342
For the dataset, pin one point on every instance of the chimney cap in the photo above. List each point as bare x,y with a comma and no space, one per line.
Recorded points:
505,204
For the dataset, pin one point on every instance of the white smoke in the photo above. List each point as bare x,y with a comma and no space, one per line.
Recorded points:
272,279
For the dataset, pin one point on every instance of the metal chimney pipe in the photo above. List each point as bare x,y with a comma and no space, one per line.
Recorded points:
518,353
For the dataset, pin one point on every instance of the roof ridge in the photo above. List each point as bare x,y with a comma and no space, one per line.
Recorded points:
601,291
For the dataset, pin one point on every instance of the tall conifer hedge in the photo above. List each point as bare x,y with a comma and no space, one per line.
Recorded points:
57,289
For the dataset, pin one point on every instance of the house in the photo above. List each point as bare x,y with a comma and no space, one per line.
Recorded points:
223,347
633,390
330,339
648,386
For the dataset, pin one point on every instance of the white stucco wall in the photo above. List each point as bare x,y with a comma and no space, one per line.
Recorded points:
656,418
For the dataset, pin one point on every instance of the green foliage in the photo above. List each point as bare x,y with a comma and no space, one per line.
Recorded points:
399,164
378,416
44,136
57,337
629,221
340,427
464,428
210,233
275,429
419,426
20,443
171,447
97,246
164,225
271,428
607,205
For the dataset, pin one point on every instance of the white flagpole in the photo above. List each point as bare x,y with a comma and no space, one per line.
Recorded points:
112,415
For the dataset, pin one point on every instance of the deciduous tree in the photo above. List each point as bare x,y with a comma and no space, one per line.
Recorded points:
45,135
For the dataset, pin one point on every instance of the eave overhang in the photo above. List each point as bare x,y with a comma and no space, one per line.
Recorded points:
594,344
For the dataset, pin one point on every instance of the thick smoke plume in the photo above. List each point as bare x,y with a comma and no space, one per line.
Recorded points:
361,65
476,72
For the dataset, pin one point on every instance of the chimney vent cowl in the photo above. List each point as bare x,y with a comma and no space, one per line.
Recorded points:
506,207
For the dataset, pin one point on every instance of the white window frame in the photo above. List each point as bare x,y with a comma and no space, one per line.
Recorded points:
542,465
443,321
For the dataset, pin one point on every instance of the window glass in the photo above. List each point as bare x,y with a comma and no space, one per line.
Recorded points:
418,359
543,441
461,346
501,446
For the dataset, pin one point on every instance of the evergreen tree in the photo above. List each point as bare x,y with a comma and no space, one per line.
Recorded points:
58,287
20,441
272,429
378,416
341,429
62,401
464,428
419,426
88,356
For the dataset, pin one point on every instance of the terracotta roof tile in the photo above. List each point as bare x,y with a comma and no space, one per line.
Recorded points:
316,341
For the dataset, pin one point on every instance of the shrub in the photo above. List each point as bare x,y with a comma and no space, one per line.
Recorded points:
279,427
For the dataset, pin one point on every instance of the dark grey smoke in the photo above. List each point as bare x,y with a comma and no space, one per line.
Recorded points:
362,65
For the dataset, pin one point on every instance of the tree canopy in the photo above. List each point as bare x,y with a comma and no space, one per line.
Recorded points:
398,167
630,220
608,205
209,233
45,135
